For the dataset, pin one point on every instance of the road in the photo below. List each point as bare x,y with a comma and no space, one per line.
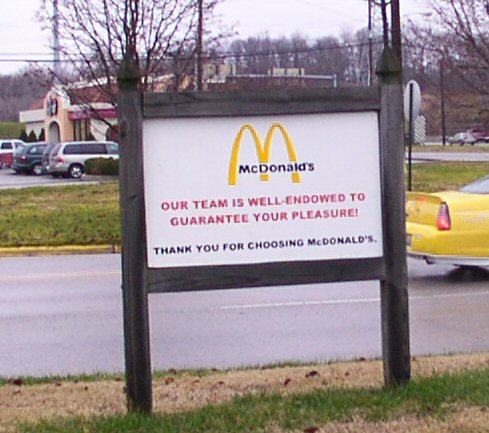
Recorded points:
62,315
450,156
10,180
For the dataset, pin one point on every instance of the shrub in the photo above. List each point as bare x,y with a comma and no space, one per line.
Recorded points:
102,166
23,136
32,137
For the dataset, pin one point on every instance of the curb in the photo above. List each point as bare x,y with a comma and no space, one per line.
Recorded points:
58,250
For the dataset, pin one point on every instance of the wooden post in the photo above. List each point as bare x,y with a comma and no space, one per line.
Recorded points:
134,286
394,296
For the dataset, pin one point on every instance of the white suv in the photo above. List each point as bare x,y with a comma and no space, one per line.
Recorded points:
7,149
68,159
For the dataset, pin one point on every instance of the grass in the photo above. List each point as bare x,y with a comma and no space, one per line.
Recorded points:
11,129
89,215
434,397
438,176
69,215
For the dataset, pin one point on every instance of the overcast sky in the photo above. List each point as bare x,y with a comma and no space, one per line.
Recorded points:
21,36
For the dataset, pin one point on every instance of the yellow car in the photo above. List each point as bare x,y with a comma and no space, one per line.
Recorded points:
450,227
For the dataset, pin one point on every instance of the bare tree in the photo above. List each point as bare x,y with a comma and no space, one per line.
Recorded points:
94,35
458,33
18,91
455,38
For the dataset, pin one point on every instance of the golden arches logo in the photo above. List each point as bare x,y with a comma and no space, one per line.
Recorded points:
263,151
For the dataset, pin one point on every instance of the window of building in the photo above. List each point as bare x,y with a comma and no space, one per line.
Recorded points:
81,129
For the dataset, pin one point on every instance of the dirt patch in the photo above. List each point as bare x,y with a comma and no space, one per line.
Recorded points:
188,391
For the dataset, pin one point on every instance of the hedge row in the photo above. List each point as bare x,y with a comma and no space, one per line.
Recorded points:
102,166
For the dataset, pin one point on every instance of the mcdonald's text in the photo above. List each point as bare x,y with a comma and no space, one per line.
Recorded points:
275,168
325,241
262,201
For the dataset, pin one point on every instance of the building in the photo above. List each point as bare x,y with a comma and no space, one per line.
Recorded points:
84,111
78,111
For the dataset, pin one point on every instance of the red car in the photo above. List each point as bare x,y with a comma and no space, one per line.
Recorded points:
477,136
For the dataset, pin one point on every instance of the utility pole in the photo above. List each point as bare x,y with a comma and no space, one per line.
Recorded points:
200,60
56,44
442,97
385,23
396,29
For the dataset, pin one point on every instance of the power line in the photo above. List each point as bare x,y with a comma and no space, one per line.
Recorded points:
223,56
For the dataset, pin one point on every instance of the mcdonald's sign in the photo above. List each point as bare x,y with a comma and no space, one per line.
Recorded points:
263,150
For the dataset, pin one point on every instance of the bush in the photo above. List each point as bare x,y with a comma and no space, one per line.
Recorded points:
32,137
102,166
23,136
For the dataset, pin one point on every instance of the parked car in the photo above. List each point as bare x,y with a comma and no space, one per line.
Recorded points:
450,227
477,136
7,149
27,158
458,138
68,158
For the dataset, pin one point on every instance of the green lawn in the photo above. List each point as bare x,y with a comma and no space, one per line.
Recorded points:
89,215
66,215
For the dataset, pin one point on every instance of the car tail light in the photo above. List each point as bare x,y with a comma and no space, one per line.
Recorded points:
59,160
443,221
23,158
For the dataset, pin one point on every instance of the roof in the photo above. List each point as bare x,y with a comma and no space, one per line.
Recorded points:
89,94
37,105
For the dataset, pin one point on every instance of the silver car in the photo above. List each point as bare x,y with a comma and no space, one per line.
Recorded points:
68,159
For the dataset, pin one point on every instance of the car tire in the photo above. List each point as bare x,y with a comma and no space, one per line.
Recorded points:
75,171
36,169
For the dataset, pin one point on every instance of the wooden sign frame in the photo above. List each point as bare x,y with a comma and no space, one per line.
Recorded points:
139,280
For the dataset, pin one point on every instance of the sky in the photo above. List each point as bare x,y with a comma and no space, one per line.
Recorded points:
21,36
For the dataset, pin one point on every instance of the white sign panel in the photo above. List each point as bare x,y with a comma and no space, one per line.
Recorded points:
242,190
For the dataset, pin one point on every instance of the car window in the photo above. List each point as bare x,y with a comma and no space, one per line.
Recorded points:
73,149
85,149
7,145
480,186
36,150
113,148
95,148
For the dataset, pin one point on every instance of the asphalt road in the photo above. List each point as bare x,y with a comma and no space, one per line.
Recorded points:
450,156
62,315
10,180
